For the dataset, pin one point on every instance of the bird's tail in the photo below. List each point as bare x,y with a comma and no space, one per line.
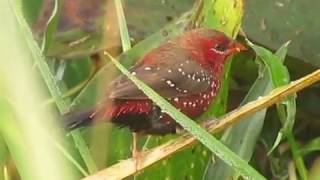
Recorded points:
76,119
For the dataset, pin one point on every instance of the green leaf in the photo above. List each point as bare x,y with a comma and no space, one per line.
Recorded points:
51,26
124,34
241,138
271,23
27,129
46,74
286,108
313,145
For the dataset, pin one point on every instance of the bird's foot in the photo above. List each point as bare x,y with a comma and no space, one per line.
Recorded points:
136,151
209,123
136,155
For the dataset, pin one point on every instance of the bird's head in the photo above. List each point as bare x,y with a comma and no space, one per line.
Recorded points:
214,46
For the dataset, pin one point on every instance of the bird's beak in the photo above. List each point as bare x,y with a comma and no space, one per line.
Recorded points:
235,47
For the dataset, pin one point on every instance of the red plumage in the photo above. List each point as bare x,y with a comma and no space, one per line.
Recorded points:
185,70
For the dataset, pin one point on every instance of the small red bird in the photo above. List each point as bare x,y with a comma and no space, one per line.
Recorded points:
185,70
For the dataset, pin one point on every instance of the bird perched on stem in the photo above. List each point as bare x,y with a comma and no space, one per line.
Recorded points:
185,70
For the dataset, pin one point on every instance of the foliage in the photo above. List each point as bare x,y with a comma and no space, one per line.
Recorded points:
33,146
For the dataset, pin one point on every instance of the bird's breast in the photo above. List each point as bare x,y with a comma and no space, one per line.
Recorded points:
196,104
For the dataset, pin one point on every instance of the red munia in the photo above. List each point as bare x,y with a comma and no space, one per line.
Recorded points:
185,70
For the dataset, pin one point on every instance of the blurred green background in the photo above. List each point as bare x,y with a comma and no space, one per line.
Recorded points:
81,32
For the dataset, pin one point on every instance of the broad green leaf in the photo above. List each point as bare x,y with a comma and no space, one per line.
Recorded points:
274,22
279,76
286,108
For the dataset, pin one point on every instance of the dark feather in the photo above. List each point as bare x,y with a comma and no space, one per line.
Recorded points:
179,69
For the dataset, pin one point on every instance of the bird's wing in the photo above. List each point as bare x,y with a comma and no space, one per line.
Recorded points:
170,74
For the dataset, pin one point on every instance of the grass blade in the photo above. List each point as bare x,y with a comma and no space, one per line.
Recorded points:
51,26
125,38
53,87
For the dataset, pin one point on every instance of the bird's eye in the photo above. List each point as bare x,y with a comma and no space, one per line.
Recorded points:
220,47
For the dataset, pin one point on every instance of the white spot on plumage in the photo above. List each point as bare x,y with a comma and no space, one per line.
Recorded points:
184,104
168,82
176,99
189,103
147,68
185,91
169,71
199,80
179,69
194,105
133,73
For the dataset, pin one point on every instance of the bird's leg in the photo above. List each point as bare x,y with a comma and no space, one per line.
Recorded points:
136,151
209,123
